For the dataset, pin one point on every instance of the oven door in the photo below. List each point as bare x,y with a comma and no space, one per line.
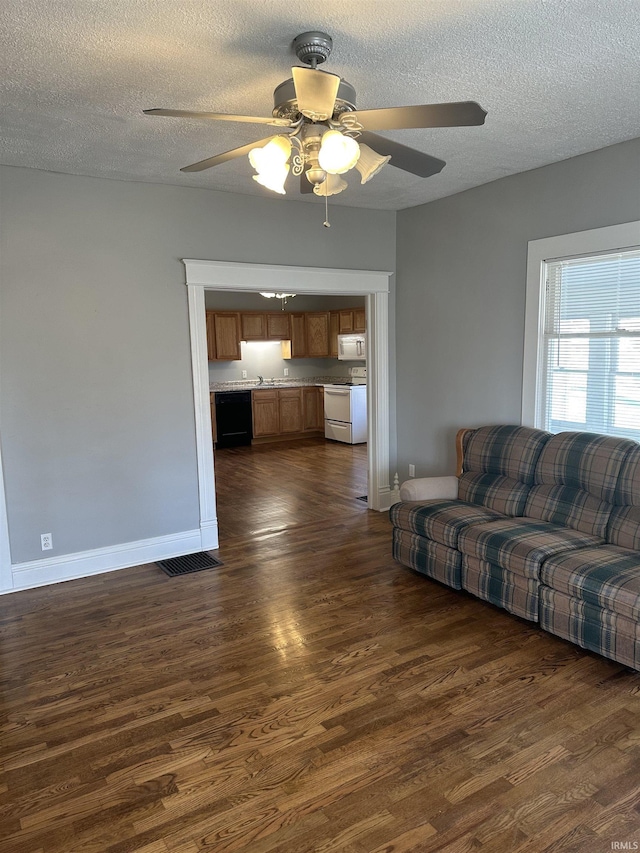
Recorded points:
337,403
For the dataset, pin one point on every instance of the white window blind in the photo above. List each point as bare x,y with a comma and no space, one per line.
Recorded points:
589,370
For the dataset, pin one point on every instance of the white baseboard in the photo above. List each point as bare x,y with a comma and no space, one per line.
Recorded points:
87,563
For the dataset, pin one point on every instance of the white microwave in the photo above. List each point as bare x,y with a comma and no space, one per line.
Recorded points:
352,347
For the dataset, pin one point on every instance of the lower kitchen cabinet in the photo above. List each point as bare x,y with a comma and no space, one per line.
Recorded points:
313,408
290,410
266,421
287,412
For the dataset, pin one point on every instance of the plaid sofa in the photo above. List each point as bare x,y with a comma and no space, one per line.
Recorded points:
545,526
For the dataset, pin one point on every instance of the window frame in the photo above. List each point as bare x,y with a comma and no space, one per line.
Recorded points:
611,238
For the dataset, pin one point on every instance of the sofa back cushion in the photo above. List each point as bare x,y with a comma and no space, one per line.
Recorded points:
576,480
624,524
499,465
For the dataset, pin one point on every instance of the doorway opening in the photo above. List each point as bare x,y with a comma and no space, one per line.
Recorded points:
219,275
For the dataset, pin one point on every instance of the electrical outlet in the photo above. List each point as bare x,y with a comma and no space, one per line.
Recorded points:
412,470
46,540
286,371
244,374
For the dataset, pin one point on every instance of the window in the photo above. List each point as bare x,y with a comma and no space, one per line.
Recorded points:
582,334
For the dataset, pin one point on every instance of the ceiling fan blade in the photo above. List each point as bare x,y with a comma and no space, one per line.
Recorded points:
277,122
462,113
402,157
316,92
228,155
305,185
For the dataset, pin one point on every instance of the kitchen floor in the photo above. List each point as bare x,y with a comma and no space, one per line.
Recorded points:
271,487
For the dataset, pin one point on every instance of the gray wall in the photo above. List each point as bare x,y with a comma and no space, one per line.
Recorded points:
460,297
96,410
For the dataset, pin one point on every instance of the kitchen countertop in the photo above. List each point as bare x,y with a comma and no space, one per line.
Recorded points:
246,385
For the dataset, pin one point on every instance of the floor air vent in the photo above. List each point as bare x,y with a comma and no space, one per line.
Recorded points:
188,564
363,498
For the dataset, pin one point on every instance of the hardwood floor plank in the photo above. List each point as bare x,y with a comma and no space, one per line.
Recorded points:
308,696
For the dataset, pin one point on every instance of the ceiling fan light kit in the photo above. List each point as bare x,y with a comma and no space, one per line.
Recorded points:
324,135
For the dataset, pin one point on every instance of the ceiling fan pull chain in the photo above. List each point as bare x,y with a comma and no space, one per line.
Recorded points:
326,222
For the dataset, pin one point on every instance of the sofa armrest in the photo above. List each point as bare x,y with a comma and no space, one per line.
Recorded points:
428,488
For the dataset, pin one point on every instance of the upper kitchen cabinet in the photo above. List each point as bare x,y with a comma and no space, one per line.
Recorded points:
262,326
223,336
317,329
351,320
253,326
309,336
278,327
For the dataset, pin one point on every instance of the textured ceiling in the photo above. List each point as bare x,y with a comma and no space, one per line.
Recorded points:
557,77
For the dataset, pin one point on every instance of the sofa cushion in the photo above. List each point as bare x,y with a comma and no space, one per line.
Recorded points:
594,628
498,467
587,466
585,461
607,576
440,520
512,592
427,557
502,494
624,524
570,507
624,527
521,545
505,451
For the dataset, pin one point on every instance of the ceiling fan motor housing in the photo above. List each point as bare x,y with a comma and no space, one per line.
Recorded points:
286,104
313,48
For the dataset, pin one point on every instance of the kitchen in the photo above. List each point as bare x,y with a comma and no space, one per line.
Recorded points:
286,367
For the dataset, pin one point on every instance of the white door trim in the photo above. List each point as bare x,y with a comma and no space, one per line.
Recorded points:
204,275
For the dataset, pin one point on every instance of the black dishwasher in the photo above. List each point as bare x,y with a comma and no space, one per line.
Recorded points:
233,418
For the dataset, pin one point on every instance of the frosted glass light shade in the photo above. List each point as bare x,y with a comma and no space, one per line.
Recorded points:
369,163
274,153
270,162
338,153
332,185
273,178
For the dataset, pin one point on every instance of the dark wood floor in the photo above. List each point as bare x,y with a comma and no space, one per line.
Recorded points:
311,695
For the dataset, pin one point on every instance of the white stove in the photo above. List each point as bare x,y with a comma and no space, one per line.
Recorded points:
345,408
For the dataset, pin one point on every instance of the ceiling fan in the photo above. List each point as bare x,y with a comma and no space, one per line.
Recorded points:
324,135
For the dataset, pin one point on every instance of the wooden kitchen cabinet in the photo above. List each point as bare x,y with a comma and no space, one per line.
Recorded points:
278,326
334,329
345,321
262,326
290,410
317,329
211,336
223,335
287,412
298,340
266,420
313,408
352,320
253,326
